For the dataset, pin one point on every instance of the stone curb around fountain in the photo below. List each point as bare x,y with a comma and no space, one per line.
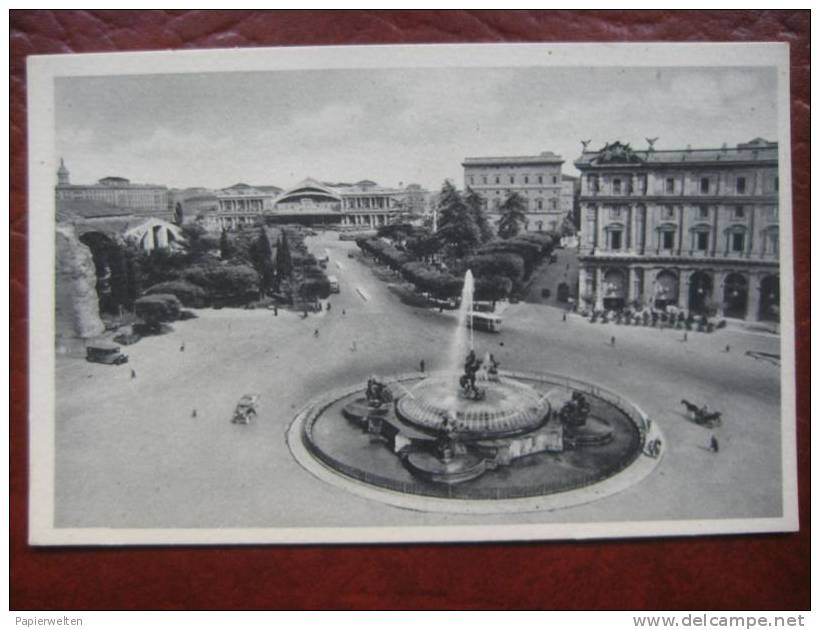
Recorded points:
635,472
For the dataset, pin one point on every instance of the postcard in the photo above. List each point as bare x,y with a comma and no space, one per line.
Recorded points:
411,293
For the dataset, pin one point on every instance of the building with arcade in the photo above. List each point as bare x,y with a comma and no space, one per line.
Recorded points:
693,228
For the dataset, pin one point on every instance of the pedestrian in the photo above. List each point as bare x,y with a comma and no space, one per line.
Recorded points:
316,332
133,374
685,337
328,306
275,311
421,366
353,346
612,341
182,347
344,312
728,348
193,413
713,445
564,317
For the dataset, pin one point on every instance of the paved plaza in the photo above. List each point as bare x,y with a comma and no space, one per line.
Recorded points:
158,449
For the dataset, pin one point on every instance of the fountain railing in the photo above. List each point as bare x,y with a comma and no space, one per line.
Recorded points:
449,491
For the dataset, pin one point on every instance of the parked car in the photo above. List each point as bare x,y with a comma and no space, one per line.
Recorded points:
106,353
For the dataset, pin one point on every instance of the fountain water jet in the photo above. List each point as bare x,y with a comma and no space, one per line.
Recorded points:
458,347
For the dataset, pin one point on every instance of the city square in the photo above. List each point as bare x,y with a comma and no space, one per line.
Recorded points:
142,442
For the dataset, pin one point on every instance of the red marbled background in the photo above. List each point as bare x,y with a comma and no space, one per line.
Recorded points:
747,572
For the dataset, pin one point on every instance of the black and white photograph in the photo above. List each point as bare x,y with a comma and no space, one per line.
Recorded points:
411,293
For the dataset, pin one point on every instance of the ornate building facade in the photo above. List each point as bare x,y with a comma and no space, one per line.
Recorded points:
693,228
537,178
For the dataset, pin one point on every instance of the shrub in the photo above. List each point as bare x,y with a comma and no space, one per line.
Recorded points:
188,293
497,264
230,284
493,288
156,309
315,288
527,250
384,252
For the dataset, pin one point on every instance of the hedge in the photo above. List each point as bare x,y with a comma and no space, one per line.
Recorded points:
157,308
188,293
225,283
497,264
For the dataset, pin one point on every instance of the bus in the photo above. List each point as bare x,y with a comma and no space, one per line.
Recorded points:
334,284
488,322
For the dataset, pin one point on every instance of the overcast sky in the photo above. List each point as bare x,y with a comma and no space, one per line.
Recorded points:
391,126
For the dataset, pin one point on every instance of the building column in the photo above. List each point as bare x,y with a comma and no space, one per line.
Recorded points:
630,285
683,288
638,288
753,298
750,241
599,288
680,227
718,290
714,236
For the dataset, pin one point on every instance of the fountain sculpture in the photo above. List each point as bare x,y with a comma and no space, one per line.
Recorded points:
452,428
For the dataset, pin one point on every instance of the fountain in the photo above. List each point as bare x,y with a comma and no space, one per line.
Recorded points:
452,433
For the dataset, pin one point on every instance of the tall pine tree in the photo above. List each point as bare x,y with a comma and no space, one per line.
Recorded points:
262,260
283,264
475,205
457,227
513,215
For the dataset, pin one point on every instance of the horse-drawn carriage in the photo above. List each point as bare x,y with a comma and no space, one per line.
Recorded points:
702,415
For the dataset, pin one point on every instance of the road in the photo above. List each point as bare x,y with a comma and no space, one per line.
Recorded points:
130,452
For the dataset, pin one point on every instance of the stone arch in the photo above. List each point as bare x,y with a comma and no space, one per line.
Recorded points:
735,295
701,288
666,288
614,289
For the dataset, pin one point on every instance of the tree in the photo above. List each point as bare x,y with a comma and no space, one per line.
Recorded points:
199,243
156,309
457,227
229,284
262,260
283,266
226,248
512,215
497,264
186,292
475,205
568,227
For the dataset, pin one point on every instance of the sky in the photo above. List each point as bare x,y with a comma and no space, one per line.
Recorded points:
394,126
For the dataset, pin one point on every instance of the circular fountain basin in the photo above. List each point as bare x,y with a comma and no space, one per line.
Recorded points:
508,408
